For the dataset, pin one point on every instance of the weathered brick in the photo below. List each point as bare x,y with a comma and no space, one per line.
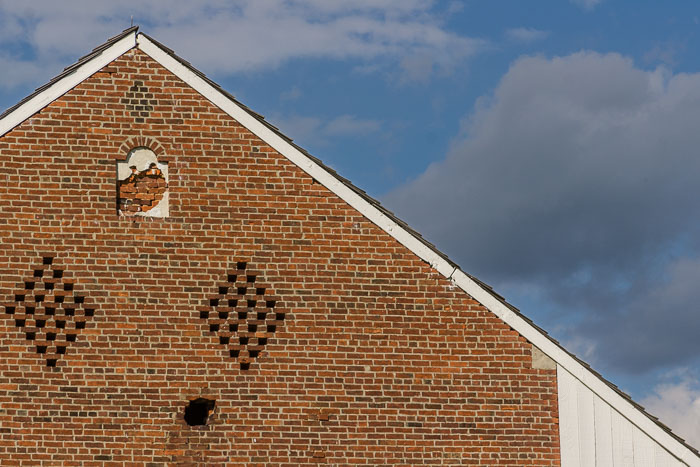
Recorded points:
366,357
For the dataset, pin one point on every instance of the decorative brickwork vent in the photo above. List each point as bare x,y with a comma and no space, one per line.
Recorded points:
139,101
198,410
142,185
49,311
242,315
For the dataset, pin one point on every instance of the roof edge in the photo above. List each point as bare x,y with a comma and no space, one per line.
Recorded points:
71,77
477,290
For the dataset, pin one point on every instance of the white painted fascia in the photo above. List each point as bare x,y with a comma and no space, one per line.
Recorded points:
404,237
65,84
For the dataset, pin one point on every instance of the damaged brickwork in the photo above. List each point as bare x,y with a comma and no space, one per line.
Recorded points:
379,359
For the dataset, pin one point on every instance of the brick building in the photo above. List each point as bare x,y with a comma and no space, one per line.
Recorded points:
182,285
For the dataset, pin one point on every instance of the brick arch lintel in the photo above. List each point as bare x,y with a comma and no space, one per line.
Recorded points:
143,142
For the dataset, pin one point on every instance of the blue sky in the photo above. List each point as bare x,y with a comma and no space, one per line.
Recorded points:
549,147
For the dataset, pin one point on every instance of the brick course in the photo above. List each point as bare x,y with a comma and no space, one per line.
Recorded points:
375,360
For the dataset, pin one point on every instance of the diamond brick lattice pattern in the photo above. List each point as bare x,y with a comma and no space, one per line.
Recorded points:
49,311
242,315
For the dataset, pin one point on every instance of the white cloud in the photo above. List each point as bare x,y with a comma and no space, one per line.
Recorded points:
677,404
578,178
346,125
526,34
586,4
291,94
315,131
245,35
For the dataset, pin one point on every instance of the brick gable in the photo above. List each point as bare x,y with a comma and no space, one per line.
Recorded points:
376,359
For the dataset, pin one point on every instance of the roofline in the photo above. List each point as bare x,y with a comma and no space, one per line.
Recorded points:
73,77
351,195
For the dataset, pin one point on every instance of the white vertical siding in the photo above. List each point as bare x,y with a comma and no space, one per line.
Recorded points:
593,434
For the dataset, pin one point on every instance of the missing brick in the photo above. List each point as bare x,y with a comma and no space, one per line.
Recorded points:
197,411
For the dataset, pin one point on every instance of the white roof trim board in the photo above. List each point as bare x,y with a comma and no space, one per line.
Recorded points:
574,367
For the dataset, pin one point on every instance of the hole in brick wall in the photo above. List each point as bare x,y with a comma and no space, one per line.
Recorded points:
252,327
58,298
89,311
270,303
38,298
233,303
241,265
20,323
51,362
204,314
251,303
19,297
213,327
279,316
68,286
29,285
29,310
80,325
223,314
48,260
243,340
213,302
57,273
271,328
38,273
60,324
245,365
223,290
260,291
48,285
9,309
40,349
262,341
197,411
241,290
232,278
40,323
31,335
242,314
50,310
71,337
234,353
69,311
79,299
50,336
261,315
224,340
250,278
61,349
253,353
233,327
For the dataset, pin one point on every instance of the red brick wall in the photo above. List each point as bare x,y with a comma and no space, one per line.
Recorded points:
377,361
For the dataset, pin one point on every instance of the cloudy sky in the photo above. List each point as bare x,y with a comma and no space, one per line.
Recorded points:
550,147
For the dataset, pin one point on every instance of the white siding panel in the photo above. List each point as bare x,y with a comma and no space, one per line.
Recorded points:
603,433
586,426
644,455
616,422
593,433
568,418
